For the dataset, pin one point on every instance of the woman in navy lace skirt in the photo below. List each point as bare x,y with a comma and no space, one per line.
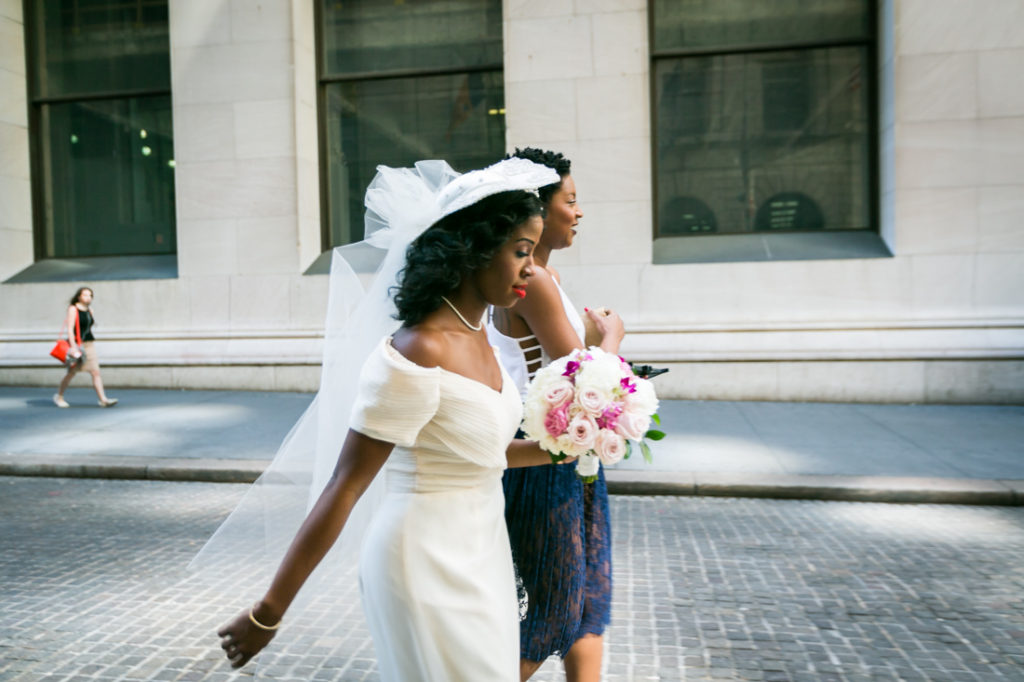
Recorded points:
558,525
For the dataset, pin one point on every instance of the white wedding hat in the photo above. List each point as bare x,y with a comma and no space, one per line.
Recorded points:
504,176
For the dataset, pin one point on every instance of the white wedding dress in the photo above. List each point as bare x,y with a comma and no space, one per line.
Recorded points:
436,572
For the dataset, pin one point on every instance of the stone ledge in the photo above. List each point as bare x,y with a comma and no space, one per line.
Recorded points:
133,468
891,489
888,489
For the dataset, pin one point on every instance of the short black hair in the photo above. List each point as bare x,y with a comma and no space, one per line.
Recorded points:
552,160
454,247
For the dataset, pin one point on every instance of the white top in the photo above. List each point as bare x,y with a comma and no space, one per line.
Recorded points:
512,352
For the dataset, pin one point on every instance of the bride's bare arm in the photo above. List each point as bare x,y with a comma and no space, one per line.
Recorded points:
360,460
526,453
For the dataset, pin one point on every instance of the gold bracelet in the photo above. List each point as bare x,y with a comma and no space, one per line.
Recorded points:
261,626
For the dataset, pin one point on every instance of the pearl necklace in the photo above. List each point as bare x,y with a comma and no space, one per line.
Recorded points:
464,320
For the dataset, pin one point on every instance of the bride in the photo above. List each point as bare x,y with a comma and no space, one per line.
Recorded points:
437,412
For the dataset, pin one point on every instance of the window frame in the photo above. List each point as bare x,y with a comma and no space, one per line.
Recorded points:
37,177
323,81
797,245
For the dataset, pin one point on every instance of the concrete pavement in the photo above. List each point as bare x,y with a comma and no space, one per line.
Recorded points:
969,454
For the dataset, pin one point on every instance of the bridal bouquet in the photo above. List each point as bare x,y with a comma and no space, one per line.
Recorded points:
590,405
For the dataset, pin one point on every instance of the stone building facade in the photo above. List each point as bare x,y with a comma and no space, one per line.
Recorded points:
871,251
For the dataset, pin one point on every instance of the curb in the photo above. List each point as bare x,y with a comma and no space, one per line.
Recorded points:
134,468
888,489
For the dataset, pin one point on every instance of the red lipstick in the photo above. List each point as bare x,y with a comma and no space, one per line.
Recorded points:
520,291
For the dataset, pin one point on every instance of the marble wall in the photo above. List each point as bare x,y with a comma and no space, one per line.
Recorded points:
930,323
941,320
243,79
240,313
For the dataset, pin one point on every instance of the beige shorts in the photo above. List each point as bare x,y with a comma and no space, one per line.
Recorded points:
92,363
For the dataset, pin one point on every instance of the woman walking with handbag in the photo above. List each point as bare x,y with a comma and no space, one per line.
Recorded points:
82,354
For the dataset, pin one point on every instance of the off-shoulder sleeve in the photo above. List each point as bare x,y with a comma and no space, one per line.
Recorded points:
396,397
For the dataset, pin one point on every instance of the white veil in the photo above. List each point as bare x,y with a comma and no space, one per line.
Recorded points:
400,204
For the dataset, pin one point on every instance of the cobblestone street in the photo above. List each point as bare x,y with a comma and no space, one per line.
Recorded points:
93,587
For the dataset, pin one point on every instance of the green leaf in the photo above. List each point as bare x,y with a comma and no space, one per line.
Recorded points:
654,435
555,459
646,449
629,450
656,419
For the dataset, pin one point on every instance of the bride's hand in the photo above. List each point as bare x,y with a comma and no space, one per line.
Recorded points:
241,639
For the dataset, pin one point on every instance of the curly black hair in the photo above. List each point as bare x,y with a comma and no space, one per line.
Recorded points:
456,246
552,160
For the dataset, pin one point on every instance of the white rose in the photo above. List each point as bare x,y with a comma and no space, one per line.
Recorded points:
604,371
565,446
552,444
546,377
533,421
610,447
643,400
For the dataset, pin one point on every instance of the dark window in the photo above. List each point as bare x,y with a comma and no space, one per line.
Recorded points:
686,215
103,157
736,25
787,92
758,100
402,82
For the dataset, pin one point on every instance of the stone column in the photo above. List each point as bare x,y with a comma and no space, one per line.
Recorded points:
16,250
247,186
576,79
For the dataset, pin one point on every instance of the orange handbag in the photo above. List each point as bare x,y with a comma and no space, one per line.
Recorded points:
62,349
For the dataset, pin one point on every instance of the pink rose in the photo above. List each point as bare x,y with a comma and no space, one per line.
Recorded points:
632,425
594,401
610,447
557,420
558,393
582,430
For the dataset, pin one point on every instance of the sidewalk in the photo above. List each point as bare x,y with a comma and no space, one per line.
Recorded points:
970,454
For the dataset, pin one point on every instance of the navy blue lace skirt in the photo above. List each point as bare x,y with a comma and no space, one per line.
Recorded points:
561,545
